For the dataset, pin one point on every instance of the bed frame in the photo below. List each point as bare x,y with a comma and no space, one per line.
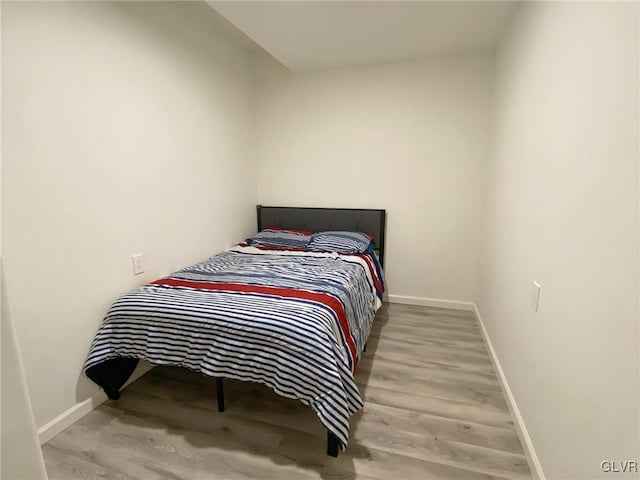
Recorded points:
114,376
313,219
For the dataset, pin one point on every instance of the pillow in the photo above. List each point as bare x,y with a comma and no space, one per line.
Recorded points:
280,238
341,242
292,230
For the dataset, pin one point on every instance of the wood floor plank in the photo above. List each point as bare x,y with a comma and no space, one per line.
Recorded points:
456,393
433,410
397,373
426,331
426,447
432,349
381,417
398,310
425,323
483,414
409,318
438,340
428,358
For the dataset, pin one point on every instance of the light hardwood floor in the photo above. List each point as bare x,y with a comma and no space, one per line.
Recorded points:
433,410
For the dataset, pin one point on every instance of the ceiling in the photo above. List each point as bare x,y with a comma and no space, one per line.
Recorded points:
310,35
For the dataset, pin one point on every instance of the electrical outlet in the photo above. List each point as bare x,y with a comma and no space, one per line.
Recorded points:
138,264
535,296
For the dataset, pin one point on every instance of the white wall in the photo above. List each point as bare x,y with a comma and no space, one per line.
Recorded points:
20,455
409,137
126,128
562,209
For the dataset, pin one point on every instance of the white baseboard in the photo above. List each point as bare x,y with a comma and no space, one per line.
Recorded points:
521,428
431,302
79,410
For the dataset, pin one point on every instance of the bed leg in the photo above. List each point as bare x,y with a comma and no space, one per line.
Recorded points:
332,444
365,348
220,394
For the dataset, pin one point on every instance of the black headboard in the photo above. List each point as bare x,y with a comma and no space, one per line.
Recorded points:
369,221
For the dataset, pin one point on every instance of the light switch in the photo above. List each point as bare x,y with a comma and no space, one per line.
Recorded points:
138,264
535,296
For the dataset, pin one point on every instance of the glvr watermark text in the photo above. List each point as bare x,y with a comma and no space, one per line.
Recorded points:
619,466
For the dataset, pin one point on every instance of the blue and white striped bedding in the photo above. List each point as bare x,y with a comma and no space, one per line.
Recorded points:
294,321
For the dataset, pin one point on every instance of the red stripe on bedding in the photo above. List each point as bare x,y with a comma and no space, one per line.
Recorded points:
323,298
374,272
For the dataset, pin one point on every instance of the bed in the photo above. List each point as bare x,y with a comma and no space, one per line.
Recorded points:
295,319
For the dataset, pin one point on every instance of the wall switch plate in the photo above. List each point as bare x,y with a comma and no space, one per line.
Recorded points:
535,296
138,264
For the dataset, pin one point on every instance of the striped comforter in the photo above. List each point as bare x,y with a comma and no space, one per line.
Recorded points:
294,321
